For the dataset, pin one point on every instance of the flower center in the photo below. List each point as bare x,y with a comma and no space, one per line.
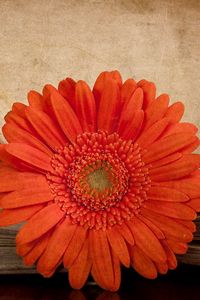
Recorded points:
100,180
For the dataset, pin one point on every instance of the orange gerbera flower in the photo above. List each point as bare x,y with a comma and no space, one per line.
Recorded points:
103,178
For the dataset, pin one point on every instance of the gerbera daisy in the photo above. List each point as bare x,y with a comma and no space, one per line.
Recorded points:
103,178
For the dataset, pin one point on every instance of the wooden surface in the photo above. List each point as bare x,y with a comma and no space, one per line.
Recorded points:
43,41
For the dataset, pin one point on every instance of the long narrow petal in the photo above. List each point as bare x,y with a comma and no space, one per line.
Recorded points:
40,223
126,233
187,186
79,271
170,227
12,180
181,127
167,146
14,216
177,247
66,117
195,204
155,229
146,240
19,109
171,258
39,193
174,210
175,112
15,134
74,247
151,134
186,165
166,194
156,110
110,102
85,106
46,128
30,155
119,246
149,90
142,263
31,257
127,90
165,160
129,127
67,89
101,81
56,247
101,257
36,100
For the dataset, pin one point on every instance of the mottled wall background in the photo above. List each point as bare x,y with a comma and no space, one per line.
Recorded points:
43,41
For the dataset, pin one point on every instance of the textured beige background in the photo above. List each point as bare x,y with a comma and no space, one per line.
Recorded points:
46,40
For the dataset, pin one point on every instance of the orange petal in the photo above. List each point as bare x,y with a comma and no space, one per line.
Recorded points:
14,216
146,240
37,250
66,117
85,106
46,128
149,90
188,224
186,186
174,210
10,160
74,247
116,271
158,233
19,109
22,123
110,102
127,90
101,81
15,134
171,228
165,161
175,112
167,146
30,155
195,204
101,258
181,127
177,247
171,258
166,194
12,180
142,263
23,249
119,246
36,100
180,168
126,233
56,247
129,127
156,110
162,267
151,134
79,271
67,89
29,195
192,147
40,223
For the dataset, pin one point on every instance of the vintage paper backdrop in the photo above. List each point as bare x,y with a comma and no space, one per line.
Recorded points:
46,40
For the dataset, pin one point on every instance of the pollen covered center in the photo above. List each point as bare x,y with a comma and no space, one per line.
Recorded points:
100,180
